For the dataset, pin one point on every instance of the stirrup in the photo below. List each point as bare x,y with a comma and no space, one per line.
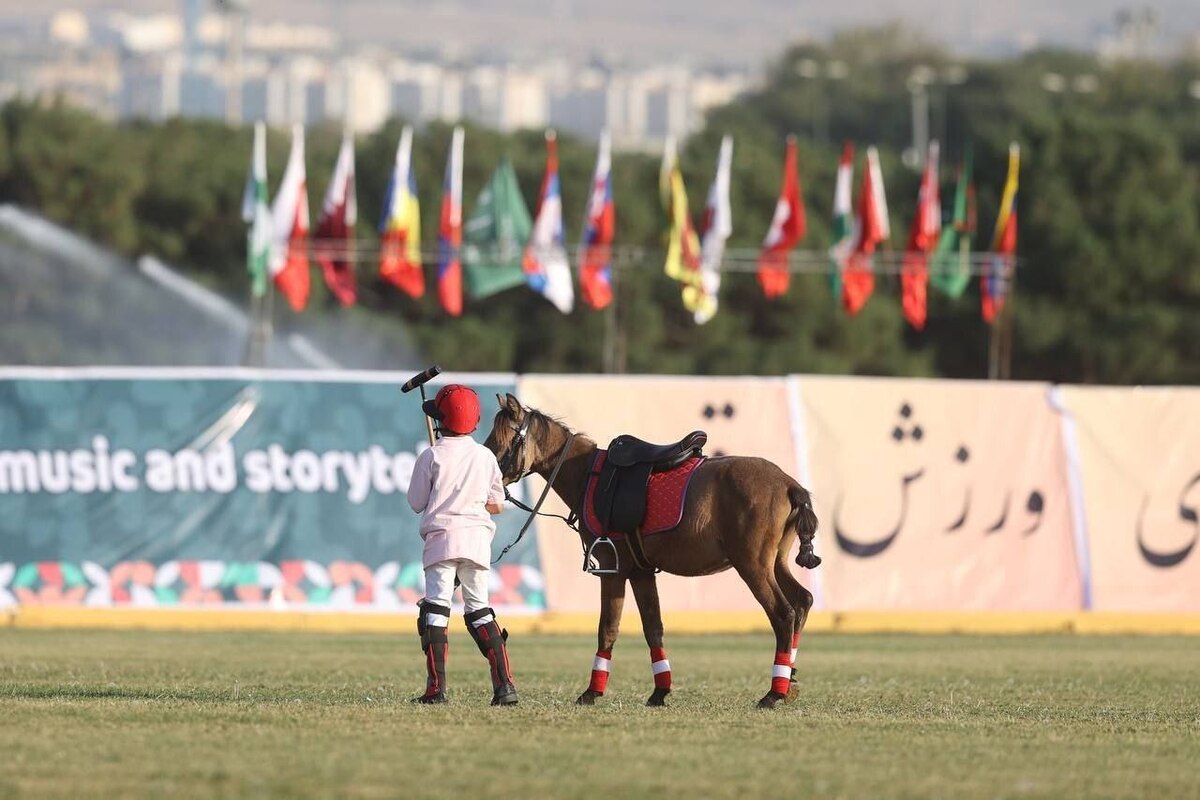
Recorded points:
590,557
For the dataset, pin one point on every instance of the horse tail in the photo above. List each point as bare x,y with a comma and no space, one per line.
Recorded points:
804,519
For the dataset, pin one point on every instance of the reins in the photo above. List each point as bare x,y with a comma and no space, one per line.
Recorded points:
572,520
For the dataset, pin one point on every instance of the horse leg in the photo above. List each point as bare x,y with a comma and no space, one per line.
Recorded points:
645,592
612,603
760,579
802,601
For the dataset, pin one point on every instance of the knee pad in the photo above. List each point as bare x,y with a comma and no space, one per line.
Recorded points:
483,628
431,633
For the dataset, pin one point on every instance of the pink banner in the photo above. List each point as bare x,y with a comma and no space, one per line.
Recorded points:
742,416
940,495
1139,451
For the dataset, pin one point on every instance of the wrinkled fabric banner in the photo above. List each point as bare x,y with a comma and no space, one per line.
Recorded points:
220,488
742,416
1139,451
939,495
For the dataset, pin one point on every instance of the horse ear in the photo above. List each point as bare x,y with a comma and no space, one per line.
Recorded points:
500,401
514,405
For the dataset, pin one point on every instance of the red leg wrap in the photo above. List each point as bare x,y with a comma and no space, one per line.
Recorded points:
661,668
600,671
781,673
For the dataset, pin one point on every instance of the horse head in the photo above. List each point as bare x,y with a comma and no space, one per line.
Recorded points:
516,446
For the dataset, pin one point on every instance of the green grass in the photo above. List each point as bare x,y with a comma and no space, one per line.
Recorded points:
151,714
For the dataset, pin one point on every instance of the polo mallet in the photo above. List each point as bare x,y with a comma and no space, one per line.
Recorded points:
418,381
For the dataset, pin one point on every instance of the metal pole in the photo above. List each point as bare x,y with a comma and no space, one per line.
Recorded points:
235,18
609,356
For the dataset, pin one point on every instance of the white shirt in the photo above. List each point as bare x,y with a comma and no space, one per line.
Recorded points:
451,484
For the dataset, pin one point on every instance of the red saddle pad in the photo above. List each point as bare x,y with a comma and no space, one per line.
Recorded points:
666,496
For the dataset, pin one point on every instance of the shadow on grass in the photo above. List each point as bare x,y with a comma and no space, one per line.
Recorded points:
102,693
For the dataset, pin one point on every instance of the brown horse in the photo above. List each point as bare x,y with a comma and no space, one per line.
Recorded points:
741,512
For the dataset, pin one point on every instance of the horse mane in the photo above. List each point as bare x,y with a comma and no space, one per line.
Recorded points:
540,424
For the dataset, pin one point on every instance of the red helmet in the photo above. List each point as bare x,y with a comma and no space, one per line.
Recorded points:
456,407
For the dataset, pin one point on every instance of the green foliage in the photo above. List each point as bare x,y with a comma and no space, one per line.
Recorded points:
1109,279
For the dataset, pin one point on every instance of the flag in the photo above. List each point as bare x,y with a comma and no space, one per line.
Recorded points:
683,246
289,225
871,228
335,228
595,250
257,214
993,284
496,234
450,233
545,260
843,219
701,300
950,266
926,227
787,229
400,228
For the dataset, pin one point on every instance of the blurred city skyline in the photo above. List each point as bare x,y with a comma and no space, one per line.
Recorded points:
641,71
746,33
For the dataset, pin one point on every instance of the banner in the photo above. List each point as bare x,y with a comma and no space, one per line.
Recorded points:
939,495
742,416
1139,455
221,488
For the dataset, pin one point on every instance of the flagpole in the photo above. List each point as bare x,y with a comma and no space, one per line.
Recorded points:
994,348
610,325
1009,318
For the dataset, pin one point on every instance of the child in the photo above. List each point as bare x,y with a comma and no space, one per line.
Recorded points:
456,486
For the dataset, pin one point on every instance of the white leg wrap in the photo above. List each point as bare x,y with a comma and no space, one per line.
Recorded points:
659,667
781,671
601,664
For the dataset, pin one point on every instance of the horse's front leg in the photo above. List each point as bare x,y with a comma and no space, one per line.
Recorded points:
612,603
645,592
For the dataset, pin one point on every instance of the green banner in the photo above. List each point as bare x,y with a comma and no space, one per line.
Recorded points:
160,488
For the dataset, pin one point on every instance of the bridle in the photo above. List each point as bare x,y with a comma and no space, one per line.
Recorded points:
512,454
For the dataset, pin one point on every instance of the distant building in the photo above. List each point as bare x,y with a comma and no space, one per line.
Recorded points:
121,65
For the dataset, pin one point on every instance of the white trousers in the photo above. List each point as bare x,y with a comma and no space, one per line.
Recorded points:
439,587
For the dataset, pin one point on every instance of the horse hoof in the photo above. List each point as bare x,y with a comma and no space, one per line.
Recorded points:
588,698
793,691
771,699
658,698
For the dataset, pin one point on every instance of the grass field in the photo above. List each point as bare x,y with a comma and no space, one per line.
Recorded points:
206,714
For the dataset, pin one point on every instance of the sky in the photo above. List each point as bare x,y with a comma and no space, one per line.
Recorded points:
743,31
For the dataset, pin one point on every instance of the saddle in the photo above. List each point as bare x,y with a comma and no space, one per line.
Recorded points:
624,475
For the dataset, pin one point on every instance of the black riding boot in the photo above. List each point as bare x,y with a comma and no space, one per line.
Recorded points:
435,643
490,639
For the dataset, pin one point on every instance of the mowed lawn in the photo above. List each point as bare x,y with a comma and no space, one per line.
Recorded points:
94,713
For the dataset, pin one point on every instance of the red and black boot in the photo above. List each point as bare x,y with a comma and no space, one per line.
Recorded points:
432,622
490,639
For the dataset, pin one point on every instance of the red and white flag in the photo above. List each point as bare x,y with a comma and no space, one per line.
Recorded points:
787,229
922,239
871,229
289,224
335,229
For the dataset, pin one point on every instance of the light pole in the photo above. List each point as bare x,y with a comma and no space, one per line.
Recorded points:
918,83
822,72
235,13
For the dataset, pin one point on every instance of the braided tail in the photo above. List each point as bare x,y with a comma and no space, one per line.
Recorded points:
804,519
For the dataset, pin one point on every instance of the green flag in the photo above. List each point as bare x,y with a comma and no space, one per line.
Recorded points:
257,214
495,235
843,221
950,266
